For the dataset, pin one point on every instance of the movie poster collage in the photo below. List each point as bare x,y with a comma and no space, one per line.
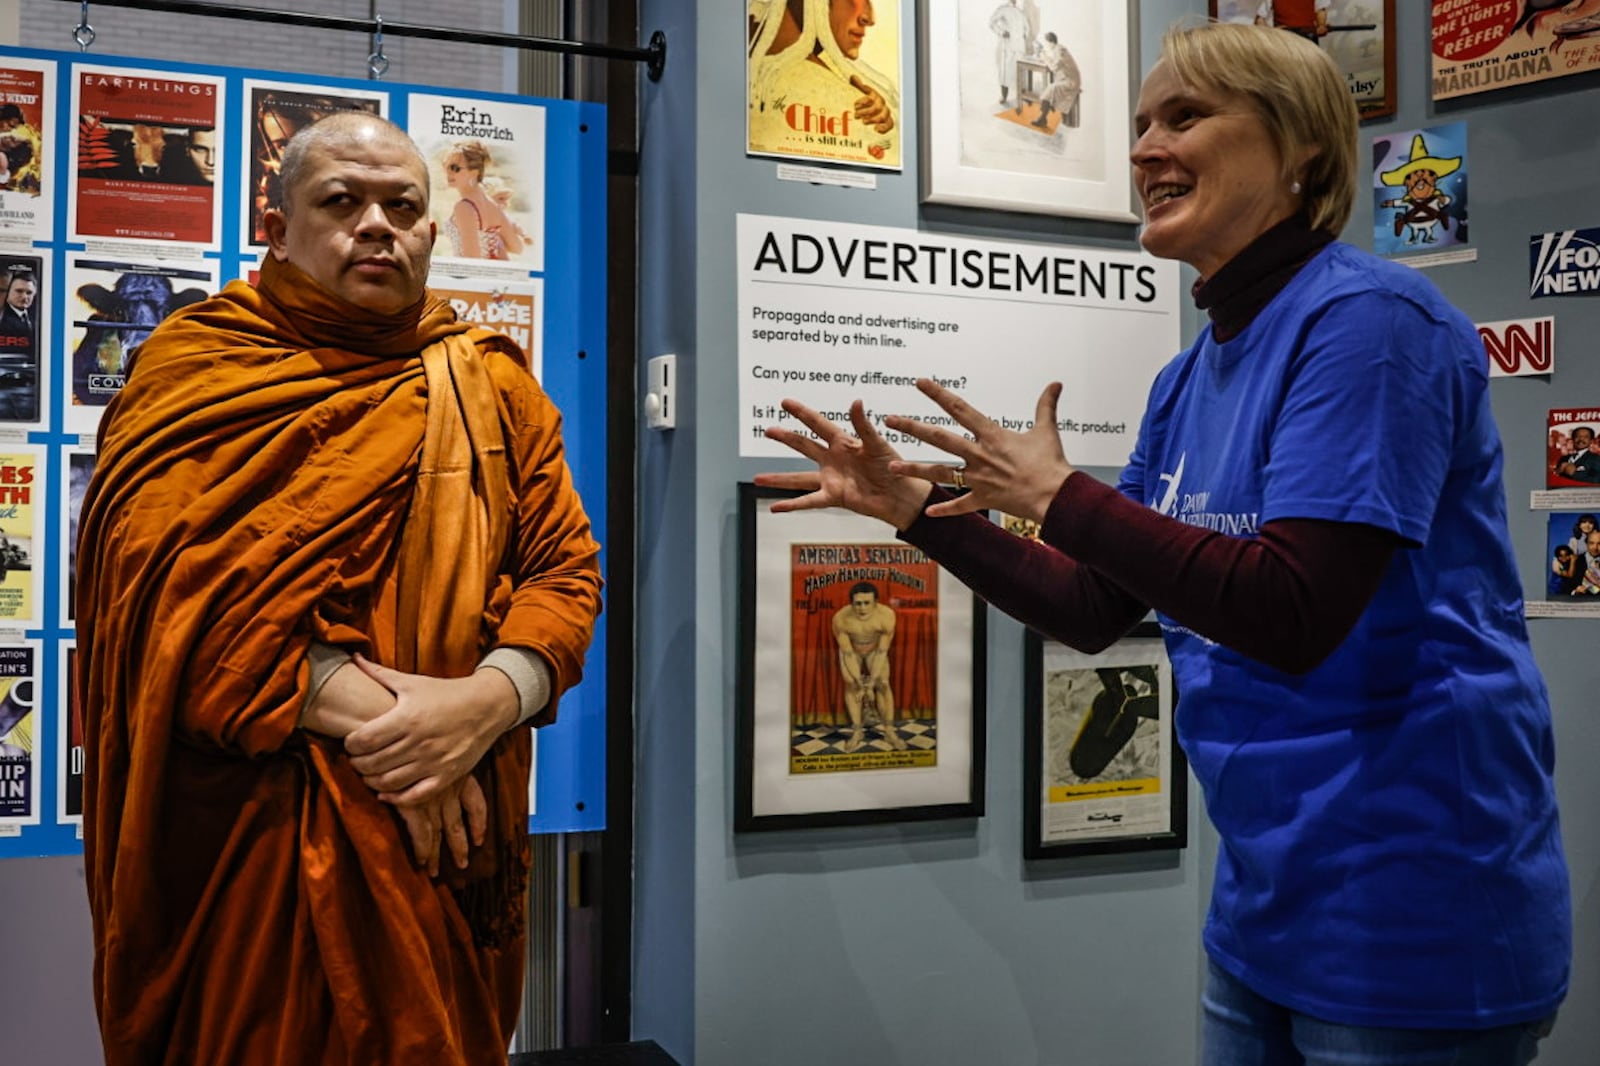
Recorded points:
125,212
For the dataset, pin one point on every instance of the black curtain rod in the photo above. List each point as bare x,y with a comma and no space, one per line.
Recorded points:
654,56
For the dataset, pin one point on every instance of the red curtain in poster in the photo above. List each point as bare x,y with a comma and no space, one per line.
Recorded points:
906,581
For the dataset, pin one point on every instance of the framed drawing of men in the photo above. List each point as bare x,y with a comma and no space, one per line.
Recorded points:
860,675
1359,35
1028,105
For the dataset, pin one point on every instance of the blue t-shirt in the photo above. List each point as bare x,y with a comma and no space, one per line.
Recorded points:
1390,850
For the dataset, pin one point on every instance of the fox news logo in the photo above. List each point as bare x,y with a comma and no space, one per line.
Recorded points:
1565,263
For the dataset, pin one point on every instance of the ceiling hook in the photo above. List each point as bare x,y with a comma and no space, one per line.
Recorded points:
377,62
83,33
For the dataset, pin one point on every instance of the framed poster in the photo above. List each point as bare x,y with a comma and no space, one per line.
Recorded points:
1028,105
1358,35
860,675
1102,771
823,81
1483,46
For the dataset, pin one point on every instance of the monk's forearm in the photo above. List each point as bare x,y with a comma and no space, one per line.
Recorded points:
348,700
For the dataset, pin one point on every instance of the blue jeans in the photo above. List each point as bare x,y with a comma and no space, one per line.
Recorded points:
1242,1029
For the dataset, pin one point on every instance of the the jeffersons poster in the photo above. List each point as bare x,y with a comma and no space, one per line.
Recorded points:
864,622
824,81
1479,45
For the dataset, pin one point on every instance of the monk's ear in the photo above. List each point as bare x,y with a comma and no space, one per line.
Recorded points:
276,227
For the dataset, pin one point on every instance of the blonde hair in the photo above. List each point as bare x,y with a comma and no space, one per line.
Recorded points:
1298,93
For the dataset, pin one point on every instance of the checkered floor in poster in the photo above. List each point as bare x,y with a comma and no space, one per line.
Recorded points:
919,734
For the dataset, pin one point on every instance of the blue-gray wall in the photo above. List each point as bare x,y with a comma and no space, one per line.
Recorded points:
935,944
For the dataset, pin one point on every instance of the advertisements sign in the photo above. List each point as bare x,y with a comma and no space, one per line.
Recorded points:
832,313
1479,45
147,149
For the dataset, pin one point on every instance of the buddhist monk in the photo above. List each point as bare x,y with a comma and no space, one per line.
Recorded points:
332,570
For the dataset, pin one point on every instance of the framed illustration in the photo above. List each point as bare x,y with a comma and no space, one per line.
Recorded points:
860,675
1359,35
1102,770
1028,105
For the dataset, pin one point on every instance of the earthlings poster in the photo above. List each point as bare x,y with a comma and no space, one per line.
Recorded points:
823,81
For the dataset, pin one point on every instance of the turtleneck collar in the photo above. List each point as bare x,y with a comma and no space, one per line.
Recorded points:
1245,284
324,319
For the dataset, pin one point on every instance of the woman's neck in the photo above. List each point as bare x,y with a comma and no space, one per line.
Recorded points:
1245,284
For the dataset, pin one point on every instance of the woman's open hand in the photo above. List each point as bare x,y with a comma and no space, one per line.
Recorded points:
1018,473
853,470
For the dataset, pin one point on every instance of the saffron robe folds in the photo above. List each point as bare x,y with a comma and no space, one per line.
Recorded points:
284,467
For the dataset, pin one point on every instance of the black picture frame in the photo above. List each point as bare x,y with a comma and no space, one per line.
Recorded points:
1105,791
795,764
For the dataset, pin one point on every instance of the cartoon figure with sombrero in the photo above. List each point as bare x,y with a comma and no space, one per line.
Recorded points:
1422,206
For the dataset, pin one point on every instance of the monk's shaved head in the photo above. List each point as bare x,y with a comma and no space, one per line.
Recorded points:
342,129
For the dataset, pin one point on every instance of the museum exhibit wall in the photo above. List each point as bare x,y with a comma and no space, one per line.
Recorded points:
936,943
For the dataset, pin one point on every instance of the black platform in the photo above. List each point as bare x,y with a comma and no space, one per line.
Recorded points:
642,1053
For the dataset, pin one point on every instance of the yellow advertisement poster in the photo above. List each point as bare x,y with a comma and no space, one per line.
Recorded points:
21,492
824,80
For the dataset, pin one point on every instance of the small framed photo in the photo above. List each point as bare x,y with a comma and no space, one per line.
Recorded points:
860,675
1102,771
1028,105
1358,35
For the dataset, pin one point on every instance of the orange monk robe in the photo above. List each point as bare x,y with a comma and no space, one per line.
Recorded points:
284,467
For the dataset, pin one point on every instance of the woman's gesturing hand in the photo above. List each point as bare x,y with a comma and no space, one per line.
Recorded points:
1018,473
853,471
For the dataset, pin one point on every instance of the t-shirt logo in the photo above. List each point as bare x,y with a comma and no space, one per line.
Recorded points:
1174,480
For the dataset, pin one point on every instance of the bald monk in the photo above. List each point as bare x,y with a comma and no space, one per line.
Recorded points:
333,568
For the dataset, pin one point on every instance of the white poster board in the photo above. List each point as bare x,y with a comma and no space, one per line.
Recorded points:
830,313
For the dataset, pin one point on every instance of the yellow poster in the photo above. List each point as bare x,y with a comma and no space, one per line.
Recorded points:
824,80
21,489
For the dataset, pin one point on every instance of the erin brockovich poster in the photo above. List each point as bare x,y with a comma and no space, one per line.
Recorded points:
146,149
1479,45
486,159
823,80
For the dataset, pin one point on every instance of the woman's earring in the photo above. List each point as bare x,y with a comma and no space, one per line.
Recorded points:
1295,187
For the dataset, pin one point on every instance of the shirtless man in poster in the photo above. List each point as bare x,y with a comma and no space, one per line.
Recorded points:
864,629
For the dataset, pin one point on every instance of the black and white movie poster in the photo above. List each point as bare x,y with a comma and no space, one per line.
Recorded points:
111,307
19,727
22,340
